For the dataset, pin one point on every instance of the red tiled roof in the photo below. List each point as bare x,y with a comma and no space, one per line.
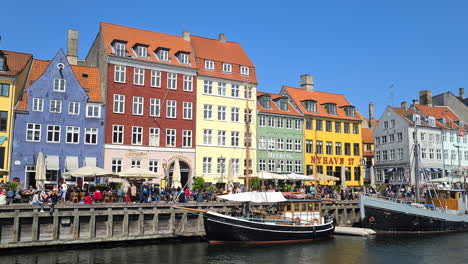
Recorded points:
367,135
274,108
441,112
153,40
407,112
219,52
16,61
299,95
91,83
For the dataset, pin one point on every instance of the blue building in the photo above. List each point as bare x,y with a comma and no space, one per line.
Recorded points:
60,114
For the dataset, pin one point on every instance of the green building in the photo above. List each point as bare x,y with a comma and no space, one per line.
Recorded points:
279,135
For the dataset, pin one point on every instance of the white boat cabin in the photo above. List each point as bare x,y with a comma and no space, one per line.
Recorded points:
303,211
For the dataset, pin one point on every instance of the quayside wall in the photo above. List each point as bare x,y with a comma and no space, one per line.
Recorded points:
23,225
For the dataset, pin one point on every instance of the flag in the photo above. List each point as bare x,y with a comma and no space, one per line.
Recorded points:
462,133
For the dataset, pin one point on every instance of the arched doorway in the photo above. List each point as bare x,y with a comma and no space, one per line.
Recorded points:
184,174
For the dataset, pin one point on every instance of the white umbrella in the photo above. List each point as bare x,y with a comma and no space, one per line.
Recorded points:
323,177
176,175
138,173
89,171
40,170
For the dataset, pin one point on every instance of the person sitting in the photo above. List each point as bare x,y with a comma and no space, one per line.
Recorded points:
88,199
37,200
97,196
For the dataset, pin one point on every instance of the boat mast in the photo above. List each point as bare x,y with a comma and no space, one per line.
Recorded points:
247,138
416,161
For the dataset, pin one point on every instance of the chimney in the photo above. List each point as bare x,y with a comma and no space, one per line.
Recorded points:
222,37
461,93
425,97
186,35
72,46
307,82
371,114
403,105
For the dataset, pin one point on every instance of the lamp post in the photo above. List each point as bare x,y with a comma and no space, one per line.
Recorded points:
221,168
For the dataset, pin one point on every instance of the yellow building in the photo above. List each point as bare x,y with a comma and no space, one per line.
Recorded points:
226,85
14,68
332,134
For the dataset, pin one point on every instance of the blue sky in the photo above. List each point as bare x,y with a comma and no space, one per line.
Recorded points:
358,48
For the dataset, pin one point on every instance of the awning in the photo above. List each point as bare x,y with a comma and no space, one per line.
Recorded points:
255,197
52,163
71,163
90,162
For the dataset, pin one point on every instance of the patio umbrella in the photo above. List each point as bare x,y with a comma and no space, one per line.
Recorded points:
40,170
323,177
176,175
138,173
89,171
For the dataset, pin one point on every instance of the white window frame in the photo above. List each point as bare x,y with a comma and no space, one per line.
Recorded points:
55,103
244,70
170,136
184,58
171,109
235,90
155,79
280,143
207,112
209,65
120,49
116,130
137,105
76,130
38,105
119,104
52,129
207,136
188,83
153,136
120,73
91,132
141,51
60,85
187,138
235,138
227,67
137,135
298,145
222,88
207,87
187,110
153,165
235,114
163,55
155,107
207,165
95,112
221,138
72,105
172,81
271,143
139,76
135,163
116,165
222,113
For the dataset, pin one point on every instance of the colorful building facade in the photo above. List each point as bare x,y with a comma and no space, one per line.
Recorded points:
61,114
332,133
150,86
279,135
14,68
226,88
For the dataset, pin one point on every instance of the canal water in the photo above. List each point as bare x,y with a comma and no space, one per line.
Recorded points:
438,249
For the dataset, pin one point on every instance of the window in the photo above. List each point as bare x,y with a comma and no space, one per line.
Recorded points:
221,113
466,155
155,78
55,106
338,148
170,137
139,76
261,165
221,137
249,139
250,115
400,153
309,146
59,85
311,106
331,109
271,165
171,109
234,138
338,127
423,136
93,111
153,136
328,126
349,111
385,124
384,155
227,67
377,156
431,153
261,121
289,145
377,140
298,124
153,165
138,105
206,165
117,134
73,108
187,113
392,123
329,148
423,153
262,143
91,136
244,70
297,145
444,136
188,83
392,154
221,165
53,134
38,104
391,138
207,112
119,73
346,128
289,166
280,144
184,58
235,114
235,90
3,121
319,147
271,144
308,124
356,148
142,51
155,107
73,135
280,122
283,104
172,81
116,165
384,139
186,138
136,164
318,125
357,173
271,121
355,128
4,87
400,136
137,135
247,92
221,89
120,49
163,55
207,87
437,138
209,64
347,149
207,136
288,123
453,154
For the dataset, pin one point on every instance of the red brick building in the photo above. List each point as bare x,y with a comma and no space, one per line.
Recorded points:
149,81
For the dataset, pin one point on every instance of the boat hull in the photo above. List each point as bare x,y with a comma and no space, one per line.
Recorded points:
225,229
391,217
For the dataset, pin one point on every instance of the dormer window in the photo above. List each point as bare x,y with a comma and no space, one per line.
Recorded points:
244,70
331,108
59,85
265,102
311,106
209,64
349,111
417,119
442,120
183,57
431,121
163,54
227,67
283,104
2,62
120,49
141,51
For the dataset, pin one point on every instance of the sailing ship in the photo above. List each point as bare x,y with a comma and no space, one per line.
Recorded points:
443,210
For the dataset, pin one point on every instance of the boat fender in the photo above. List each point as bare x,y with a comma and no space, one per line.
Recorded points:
371,219
315,221
297,220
